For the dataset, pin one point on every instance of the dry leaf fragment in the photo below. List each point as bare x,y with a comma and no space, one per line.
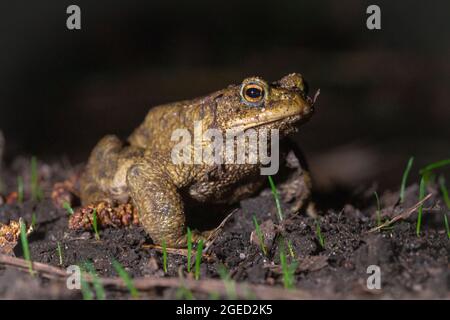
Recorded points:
9,236
122,215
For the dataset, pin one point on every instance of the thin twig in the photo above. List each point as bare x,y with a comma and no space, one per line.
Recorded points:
150,283
184,252
178,251
213,236
403,215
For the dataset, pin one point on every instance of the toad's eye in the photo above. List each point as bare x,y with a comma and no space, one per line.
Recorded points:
253,94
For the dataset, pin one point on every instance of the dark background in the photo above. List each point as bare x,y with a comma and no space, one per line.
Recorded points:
384,93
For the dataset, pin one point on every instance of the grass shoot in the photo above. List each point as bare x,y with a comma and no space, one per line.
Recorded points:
198,259
20,189
125,278
378,213
33,220
287,269
36,192
435,165
95,224
98,287
183,293
68,208
319,234
189,249
85,287
214,295
427,175
164,250
291,249
446,225
444,192
405,178
260,236
422,188
59,251
276,197
230,285
25,246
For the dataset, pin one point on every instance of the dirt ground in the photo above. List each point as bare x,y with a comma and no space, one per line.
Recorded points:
411,266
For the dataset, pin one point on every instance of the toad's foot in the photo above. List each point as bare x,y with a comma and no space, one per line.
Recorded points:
296,190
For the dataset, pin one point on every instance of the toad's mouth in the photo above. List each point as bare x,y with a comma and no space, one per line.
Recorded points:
267,122
303,112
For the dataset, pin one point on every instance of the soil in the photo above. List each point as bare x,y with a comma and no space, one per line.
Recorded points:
411,266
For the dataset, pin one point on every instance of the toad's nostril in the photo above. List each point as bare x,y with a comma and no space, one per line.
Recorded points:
307,110
293,81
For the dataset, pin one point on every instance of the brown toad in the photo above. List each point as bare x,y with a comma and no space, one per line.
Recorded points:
148,172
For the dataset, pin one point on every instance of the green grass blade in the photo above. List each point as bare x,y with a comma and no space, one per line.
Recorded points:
33,220
446,225
378,213
444,191
288,270
284,268
214,295
319,234
276,197
434,165
164,249
230,285
126,278
189,248
98,287
95,224
85,288
260,236
25,246
36,192
183,293
68,208
422,188
59,251
405,178
20,189
291,249
198,259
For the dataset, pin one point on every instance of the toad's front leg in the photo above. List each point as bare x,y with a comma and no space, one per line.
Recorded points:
159,204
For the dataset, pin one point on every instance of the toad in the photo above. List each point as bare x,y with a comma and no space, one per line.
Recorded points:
146,172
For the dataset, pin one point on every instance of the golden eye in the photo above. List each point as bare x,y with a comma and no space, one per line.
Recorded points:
253,93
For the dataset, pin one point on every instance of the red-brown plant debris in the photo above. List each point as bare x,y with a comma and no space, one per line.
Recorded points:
65,191
107,216
9,235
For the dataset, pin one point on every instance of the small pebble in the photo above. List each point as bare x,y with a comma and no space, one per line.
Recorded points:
417,287
85,235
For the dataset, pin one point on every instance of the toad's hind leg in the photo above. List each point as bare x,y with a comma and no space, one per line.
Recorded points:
160,206
102,165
